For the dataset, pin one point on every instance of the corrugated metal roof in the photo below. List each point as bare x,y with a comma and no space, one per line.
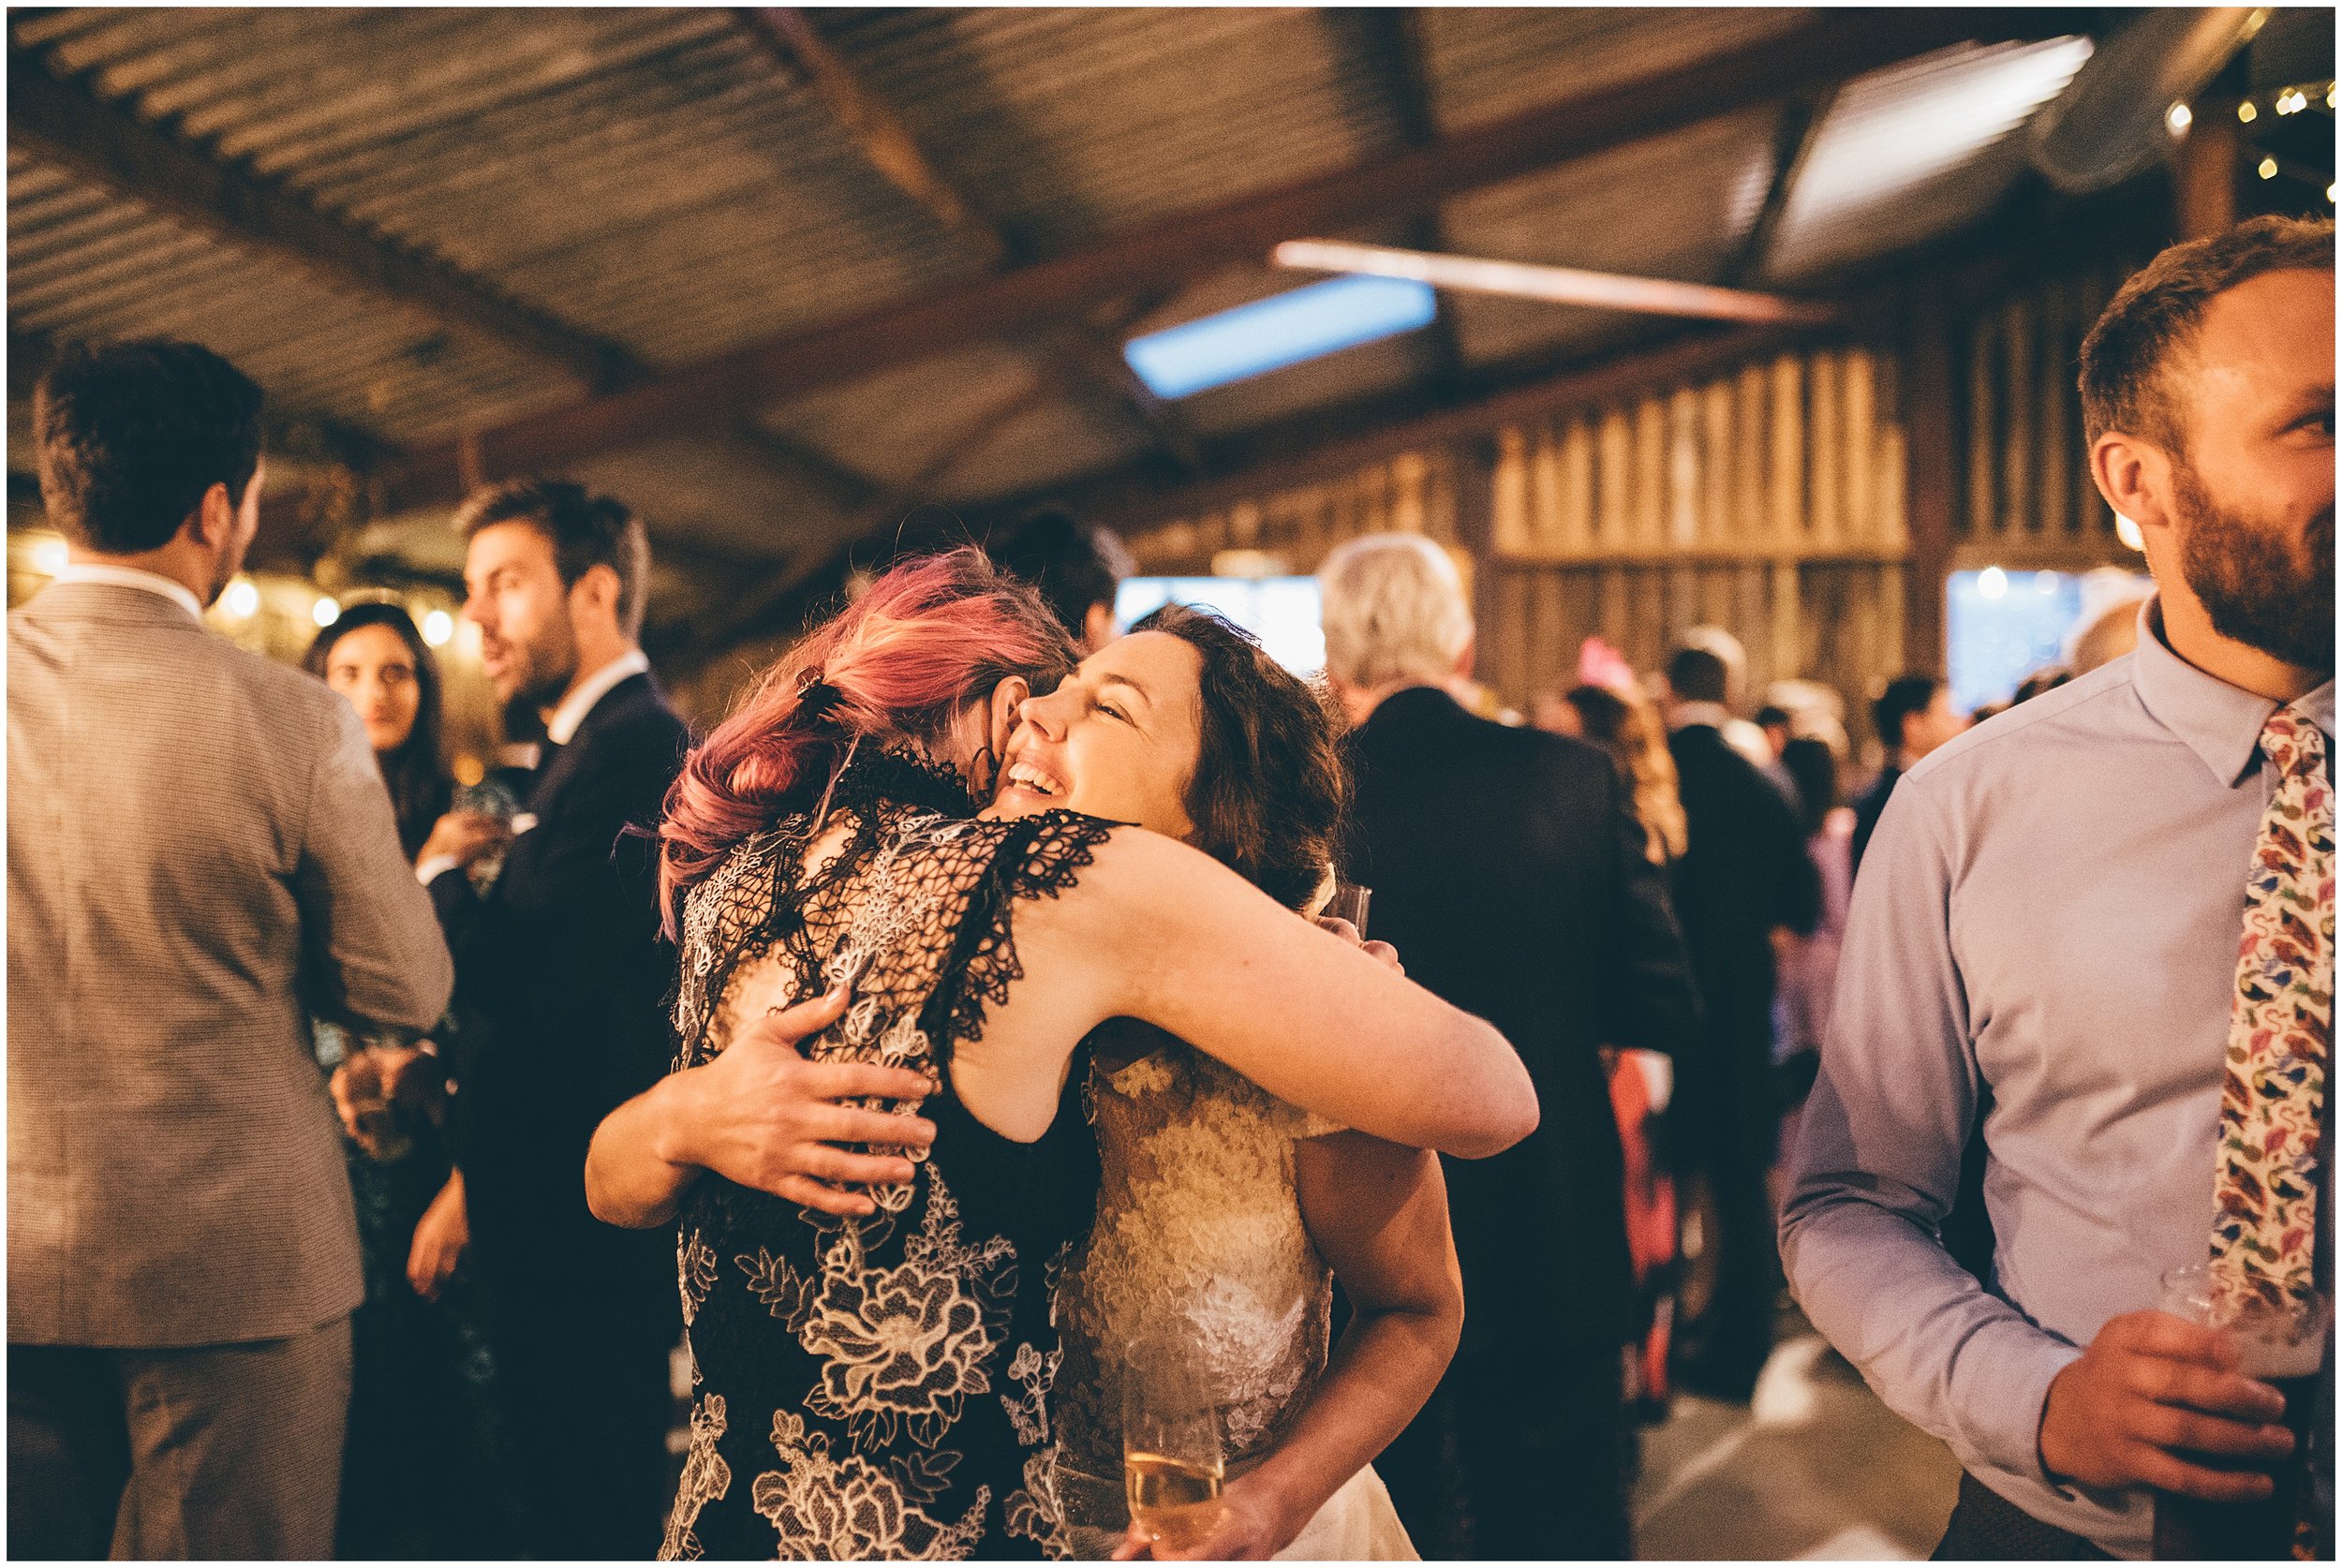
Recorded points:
1069,124
1488,63
89,264
1676,207
657,177
663,180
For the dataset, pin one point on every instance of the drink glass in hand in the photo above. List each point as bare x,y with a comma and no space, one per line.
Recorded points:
1349,903
2283,1345
489,797
1172,1463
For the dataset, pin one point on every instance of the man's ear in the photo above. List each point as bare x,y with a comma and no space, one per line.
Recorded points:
597,587
2134,476
1468,657
214,519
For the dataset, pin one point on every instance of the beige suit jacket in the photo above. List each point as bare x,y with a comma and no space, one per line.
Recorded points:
201,855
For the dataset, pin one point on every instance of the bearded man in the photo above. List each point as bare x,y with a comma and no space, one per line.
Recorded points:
562,981
2100,928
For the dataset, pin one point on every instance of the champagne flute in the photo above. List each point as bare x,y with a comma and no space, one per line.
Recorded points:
1349,903
1172,1463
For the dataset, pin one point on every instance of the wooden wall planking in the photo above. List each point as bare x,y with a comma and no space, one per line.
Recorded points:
1772,500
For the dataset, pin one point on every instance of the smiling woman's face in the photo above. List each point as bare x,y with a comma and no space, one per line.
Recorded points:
1119,738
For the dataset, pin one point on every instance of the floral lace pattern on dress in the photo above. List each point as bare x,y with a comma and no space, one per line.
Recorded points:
878,1387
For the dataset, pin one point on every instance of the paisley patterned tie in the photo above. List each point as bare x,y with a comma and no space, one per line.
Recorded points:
2280,1039
2281,1029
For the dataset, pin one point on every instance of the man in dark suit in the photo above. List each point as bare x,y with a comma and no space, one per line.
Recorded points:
1508,871
562,986
1745,876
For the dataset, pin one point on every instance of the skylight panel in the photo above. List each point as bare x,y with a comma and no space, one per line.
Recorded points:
1285,329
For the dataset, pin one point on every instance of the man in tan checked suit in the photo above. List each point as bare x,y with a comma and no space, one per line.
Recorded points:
201,858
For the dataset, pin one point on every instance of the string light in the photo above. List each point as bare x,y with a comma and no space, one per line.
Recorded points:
2292,102
2247,112
2329,196
325,612
50,556
2179,117
2268,169
242,597
438,628
2329,95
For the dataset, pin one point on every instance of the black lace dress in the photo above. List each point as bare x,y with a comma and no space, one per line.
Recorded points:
878,1388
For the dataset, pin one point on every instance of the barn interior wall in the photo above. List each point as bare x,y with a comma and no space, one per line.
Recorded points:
1772,498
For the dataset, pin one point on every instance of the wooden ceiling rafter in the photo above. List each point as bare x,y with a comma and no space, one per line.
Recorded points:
1833,48
1395,44
1799,129
1875,301
886,141
67,121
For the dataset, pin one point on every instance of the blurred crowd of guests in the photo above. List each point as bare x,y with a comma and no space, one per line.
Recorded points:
396,1331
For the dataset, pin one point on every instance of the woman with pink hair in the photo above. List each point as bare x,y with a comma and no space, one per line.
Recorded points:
873,1372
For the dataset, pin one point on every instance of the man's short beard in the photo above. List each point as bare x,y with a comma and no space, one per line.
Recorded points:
2261,587
547,665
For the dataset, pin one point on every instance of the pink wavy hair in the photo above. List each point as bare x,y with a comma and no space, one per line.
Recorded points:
928,636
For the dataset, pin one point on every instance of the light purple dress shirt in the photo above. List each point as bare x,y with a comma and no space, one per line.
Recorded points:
2050,910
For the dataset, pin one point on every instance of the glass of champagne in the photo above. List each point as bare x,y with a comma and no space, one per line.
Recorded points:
1172,1461
2281,1343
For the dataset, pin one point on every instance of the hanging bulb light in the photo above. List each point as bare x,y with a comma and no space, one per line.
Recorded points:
2268,169
2247,112
2178,118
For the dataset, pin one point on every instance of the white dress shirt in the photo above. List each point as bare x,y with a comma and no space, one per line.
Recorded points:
130,577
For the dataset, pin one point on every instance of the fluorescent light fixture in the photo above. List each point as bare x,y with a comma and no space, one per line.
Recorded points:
1562,284
1285,329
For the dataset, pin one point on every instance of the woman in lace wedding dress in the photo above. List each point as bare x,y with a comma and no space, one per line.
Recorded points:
1222,1208
878,1383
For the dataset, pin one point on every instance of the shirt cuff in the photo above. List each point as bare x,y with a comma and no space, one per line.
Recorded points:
2020,1380
428,871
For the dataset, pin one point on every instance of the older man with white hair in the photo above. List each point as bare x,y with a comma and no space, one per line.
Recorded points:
1507,868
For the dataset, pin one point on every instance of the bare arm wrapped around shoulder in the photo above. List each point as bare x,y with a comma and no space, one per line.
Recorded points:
1159,931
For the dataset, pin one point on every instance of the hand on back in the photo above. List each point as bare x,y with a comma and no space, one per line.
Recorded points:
2153,1393
763,1116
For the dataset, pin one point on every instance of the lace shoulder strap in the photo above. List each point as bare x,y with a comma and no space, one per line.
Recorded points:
1033,857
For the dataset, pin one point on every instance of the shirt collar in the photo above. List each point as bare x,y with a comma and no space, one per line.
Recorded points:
563,725
130,577
2220,723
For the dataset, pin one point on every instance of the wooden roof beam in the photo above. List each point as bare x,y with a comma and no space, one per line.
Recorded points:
1800,128
69,123
2028,241
887,144
1835,46
1393,41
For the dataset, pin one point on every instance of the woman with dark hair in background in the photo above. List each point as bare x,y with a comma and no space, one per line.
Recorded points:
417,1472
373,655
